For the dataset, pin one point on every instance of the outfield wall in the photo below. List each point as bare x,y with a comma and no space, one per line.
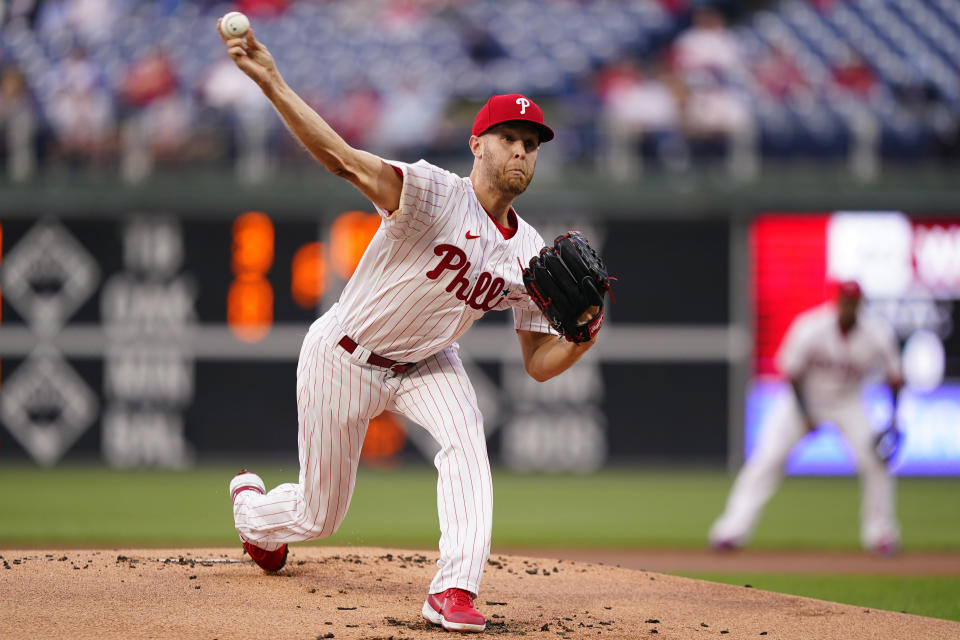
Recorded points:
162,335
153,338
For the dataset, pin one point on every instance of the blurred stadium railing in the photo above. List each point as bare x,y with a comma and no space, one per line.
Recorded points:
133,87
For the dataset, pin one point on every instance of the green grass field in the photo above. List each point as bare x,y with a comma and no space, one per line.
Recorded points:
92,506
934,596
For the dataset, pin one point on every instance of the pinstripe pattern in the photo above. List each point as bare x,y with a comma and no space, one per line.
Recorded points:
434,266
391,307
336,398
438,395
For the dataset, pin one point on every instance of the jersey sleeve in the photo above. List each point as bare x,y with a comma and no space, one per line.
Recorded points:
793,352
425,194
527,315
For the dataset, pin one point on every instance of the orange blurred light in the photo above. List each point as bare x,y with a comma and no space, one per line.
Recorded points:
308,280
385,438
250,307
252,243
350,234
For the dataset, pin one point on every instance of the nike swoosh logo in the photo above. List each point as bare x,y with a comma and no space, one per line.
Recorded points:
470,237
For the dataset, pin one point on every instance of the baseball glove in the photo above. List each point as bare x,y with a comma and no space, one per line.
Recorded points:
887,443
565,281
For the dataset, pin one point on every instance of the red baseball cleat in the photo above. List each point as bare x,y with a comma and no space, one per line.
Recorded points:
453,610
724,546
886,548
269,561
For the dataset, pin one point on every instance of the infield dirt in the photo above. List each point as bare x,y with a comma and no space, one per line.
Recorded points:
373,593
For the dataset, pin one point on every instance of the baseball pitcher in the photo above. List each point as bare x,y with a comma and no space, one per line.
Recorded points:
448,249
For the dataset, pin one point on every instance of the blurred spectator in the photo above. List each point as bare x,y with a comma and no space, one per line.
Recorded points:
157,121
95,21
708,45
716,118
852,73
822,5
81,113
18,121
778,74
356,114
401,16
924,102
148,79
709,92
639,109
245,113
409,119
89,22
676,7
15,11
712,110
262,8
581,142
482,47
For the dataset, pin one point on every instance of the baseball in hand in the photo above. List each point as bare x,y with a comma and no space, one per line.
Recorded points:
234,24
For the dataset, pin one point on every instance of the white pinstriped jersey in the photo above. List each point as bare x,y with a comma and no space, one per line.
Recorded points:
833,365
434,266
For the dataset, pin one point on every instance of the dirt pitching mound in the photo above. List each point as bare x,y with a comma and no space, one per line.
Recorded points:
371,593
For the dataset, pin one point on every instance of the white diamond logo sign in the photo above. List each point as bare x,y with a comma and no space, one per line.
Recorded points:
46,406
47,276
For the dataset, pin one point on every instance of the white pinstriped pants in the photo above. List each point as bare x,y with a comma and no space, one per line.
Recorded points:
337,395
761,475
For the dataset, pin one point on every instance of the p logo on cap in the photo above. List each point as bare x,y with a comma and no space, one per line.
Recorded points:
509,108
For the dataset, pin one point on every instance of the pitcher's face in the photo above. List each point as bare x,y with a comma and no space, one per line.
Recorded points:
508,156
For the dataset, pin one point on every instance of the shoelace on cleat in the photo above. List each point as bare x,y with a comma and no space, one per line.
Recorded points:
461,598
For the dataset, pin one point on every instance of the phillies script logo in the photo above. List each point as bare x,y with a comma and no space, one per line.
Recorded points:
485,294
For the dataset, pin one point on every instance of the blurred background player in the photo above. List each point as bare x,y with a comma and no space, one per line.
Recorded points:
447,250
827,354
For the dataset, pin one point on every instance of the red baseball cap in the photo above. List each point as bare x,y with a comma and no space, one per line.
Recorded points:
849,289
508,108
